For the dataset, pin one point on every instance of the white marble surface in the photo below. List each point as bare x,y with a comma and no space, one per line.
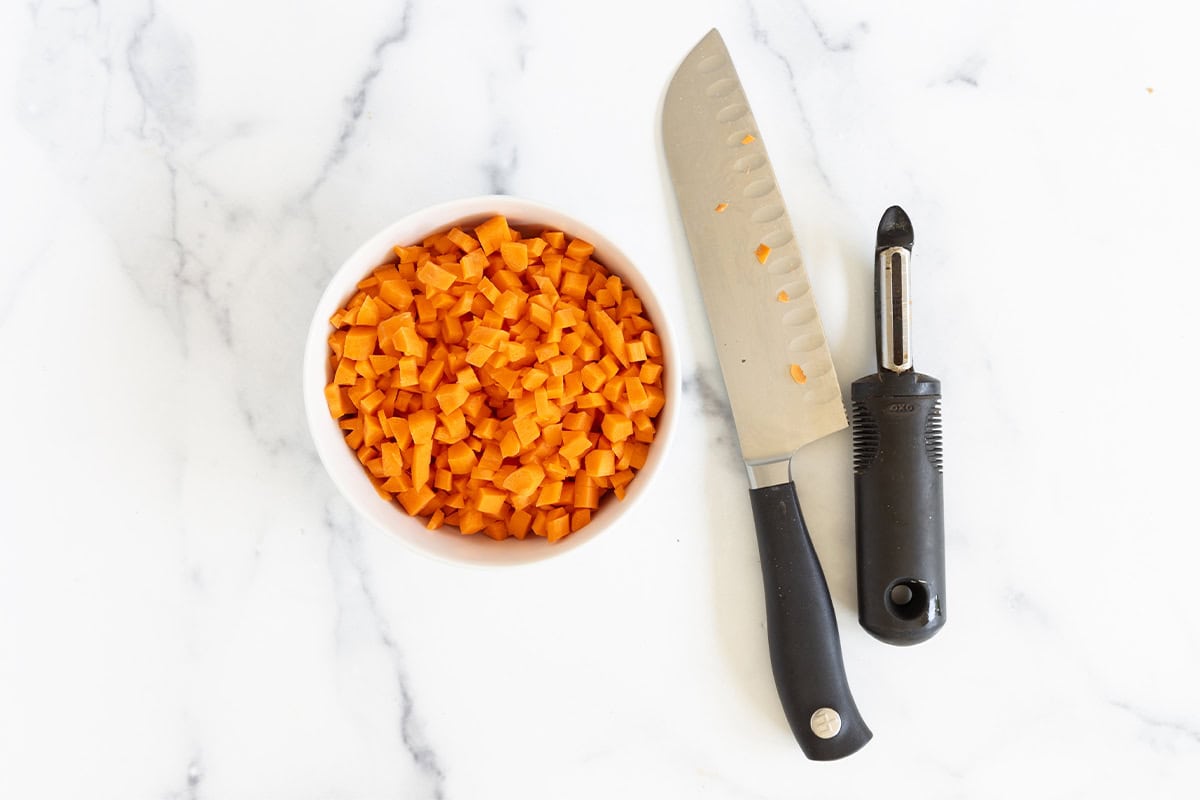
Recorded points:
188,609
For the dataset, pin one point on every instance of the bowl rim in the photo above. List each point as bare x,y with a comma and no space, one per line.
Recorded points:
347,473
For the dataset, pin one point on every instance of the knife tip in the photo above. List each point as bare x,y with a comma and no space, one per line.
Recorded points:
895,229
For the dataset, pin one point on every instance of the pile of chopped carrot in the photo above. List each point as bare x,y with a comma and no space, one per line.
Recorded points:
497,382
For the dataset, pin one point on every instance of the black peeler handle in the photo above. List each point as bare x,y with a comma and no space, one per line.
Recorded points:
899,527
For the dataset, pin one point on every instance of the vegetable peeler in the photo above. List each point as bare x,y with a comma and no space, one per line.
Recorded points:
897,425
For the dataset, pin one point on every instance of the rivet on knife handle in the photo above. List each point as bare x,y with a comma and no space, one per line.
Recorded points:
896,414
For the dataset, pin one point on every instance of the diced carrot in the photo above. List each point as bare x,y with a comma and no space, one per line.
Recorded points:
574,285
650,373
578,421
580,517
721,207
616,427
614,340
419,470
464,241
657,400
430,375
782,296
524,479
431,275
527,430
360,342
543,365
761,252
510,444
478,355
551,493
415,499
518,523
489,500
593,376
393,463
470,521
451,396
600,463
575,444
337,343
421,425
461,459
508,304
621,478
488,337
493,233
372,430
533,379
748,138
489,290
406,371
560,365
345,374
587,493
473,264
590,400
636,393
579,250
515,255
547,351
454,426
558,525
396,293
609,365
797,373
338,400
370,403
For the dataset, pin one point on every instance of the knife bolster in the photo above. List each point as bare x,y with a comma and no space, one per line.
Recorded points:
769,473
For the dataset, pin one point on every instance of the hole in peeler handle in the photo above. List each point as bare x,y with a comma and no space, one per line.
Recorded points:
910,599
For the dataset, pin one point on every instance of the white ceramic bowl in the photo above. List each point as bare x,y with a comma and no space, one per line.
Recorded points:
349,476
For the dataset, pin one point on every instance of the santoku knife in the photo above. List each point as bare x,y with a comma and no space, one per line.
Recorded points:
777,369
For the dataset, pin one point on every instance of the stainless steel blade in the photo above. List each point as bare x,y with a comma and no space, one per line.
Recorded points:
759,333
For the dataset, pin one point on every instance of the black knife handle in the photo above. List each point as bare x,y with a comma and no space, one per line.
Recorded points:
898,519
806,652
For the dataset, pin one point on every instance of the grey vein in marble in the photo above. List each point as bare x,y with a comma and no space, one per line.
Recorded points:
161,65
967,72
846,44
346,543
193,779
706,387
503,157
760,35
1176,730
356,101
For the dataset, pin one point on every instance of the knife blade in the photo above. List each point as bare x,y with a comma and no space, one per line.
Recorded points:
764,322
